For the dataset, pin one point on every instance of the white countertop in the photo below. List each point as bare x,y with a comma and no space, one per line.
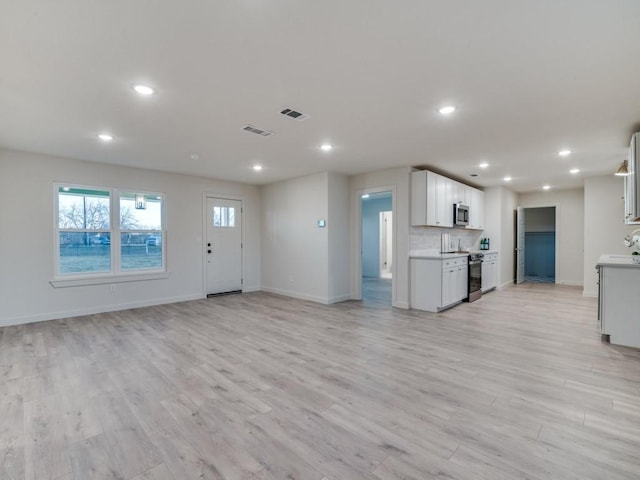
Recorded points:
435,254
619,261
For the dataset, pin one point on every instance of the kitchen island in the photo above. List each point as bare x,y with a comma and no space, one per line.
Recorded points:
618,294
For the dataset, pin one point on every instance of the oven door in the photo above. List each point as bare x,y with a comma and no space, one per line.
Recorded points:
475,280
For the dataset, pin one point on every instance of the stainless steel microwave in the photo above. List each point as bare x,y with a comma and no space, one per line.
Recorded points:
460,215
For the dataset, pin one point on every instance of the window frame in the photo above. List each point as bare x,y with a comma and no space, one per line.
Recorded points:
116,274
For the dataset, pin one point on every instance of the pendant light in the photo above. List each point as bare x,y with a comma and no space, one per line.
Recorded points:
623,171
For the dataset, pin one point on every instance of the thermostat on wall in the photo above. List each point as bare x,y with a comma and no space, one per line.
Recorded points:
322,223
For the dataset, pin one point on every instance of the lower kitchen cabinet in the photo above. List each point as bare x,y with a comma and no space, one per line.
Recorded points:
437,284
619,290
489,271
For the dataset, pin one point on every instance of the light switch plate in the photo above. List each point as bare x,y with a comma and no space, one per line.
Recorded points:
322,223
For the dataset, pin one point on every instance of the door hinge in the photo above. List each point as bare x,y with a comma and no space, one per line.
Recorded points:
242,281
241,245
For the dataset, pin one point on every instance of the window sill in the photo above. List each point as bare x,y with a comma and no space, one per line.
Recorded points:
106,279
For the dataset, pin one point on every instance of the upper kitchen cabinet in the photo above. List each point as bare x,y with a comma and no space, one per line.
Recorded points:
461,193
476,209
431,199
632,183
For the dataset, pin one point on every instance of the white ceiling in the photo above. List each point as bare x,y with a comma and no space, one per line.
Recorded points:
528,77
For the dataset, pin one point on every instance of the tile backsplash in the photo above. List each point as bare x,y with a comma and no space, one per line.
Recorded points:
428,238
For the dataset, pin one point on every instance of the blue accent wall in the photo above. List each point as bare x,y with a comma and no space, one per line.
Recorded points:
540,255
371,208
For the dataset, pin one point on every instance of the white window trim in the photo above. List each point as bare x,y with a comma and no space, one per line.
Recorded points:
117,274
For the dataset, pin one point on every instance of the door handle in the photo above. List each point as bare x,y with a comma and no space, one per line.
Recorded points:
209,251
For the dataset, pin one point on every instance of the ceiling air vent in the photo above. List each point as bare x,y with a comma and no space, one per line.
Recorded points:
289,112
252,129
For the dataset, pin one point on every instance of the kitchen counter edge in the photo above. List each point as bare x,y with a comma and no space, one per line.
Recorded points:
617,261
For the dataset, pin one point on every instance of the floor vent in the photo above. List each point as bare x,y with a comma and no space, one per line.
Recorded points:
289,112
232,292
252,129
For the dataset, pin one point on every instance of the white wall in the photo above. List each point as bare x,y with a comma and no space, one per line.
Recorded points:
493,218
500,204
338,227
604,227
509,203
396,180
27,252
569,232
294,249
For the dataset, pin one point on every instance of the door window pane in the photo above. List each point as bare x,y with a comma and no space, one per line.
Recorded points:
224,216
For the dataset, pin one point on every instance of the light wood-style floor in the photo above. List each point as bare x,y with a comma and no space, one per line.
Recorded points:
517,385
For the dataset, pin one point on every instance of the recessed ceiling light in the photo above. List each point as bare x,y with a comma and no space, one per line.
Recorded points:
366,195
574,170
447,110
105,137
257,167
143,89
194,156
507,179
546,187
484,165
564,153
325,147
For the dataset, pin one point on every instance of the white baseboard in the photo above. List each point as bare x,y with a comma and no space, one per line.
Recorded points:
255,288
402,305
339,298
504,285
298,295
43,317
590,293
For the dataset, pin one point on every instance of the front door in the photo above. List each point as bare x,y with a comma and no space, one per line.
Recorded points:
223,246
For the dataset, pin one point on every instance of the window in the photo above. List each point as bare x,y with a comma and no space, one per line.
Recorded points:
104,232
84,230
140,231
224,217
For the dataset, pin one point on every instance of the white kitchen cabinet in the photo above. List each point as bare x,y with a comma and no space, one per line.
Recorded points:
476,209
431,199
433,196
460,193
619,289
632,184
438,284
489,271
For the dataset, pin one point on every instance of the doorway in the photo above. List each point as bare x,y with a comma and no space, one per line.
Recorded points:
377,247
223,246
536,245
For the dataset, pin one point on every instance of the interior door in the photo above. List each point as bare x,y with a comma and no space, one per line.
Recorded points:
386,243
223,246
520,245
